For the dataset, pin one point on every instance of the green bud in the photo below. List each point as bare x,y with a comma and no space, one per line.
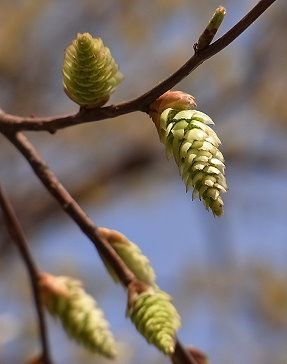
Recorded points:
78,312
131,254
210,31
155,318
194,146
90,74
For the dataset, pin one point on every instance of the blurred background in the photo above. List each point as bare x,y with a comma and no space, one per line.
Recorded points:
228,275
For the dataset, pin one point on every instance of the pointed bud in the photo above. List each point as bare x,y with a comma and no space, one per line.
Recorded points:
90,73
194,146
155,318
209,33
130,254
83,321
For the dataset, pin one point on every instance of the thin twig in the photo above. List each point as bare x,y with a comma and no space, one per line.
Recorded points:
17,235
72,208
51,124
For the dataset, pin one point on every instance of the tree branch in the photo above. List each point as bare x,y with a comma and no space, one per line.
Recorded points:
72,208
51,124
18,236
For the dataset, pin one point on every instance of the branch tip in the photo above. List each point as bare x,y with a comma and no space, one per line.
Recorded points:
210,31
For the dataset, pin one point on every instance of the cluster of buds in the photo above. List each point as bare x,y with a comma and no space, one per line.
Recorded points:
90,75
149,308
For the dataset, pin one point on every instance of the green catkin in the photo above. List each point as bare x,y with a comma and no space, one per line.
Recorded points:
194,146
131,254
90,74
78,312
156,319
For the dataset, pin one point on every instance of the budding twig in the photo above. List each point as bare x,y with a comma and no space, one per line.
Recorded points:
71,207
51,124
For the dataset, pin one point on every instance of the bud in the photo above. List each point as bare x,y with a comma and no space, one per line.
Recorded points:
210,31
155,318
90,74
83,321
177,100
131,254
194,146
